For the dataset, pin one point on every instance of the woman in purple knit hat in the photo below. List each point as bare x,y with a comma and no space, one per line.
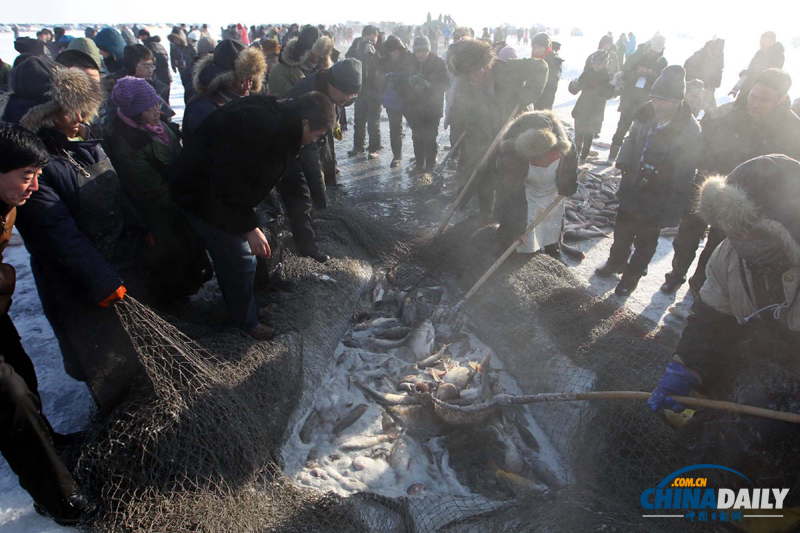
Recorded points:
142,148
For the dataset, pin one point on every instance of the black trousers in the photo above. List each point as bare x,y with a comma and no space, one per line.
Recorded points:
638,232
25,438
188,86
690,233
624,124
424,134
296,196
396,133
583,143
367,118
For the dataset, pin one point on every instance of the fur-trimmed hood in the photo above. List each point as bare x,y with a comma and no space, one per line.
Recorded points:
761,196
177,39
71,91
535,133
322,49
249,62
469,55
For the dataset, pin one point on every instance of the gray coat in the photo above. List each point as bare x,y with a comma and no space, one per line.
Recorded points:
657,172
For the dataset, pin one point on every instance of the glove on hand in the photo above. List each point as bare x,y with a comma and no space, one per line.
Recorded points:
117,295
678,381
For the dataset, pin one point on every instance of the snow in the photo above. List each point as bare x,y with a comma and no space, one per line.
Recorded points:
68,405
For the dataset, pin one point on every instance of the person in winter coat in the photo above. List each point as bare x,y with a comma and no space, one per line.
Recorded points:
77,59
659,161
607,44
230,73
758,123
85,240
142,148
621,46
367,108
28,441
111,46
228,167
638,76
536,161
706,65
631,48
489,94
88,47
394,77
541,48
181,59
741,341
301,56
303,185
769,55
138,61
595,88
161,58
423,101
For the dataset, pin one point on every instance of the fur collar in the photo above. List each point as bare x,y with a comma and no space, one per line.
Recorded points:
322,49
250,62
177,40
534,133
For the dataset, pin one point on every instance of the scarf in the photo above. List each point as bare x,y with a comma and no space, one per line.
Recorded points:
546,159
545,54
159,132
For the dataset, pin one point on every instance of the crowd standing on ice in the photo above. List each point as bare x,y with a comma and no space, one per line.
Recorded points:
111,196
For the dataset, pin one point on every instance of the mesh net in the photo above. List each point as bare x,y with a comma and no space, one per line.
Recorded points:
203,453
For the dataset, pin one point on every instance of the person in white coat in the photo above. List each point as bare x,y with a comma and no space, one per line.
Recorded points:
535,162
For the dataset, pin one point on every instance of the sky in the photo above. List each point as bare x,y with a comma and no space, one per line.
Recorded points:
648,16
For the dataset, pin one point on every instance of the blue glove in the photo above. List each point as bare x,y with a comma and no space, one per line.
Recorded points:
677,381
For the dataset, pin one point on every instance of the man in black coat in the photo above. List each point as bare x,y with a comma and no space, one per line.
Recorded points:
769,55
367,109
542,47
706,65
658,161
758,123
305,179
229,166
423,101
161,56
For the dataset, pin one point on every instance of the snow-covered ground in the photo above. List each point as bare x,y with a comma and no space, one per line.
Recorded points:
67,402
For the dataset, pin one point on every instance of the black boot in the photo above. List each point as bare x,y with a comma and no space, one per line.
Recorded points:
73,510
316,254
627,284
671,283
609,269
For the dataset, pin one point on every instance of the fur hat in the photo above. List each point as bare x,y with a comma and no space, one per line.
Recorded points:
270,47
231,62
394,43
761,195
54,89
469,55
535,133
294,55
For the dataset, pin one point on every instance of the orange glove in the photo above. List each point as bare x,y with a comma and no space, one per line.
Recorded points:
118,294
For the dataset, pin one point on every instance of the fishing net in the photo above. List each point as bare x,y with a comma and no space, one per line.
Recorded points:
202,453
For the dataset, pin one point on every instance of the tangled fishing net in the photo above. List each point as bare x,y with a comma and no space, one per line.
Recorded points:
202,453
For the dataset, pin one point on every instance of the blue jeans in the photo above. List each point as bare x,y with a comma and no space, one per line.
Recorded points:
235,268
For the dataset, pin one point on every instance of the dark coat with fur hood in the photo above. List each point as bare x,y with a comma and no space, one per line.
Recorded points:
659,165
235,159
289,69
523,140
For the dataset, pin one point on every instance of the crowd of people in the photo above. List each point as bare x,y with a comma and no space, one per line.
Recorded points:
110,195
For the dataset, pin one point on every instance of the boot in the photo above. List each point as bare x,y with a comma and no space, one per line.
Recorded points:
627,284
74,509
671,283
612,155
609,269
261,332
316,254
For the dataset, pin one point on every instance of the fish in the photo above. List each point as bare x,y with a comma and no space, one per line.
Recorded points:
669,232
377,323
582,234
362,442
405,353
386,398
516,482
386,344
525,434
460,376
309,426
416,488
350,418
421,340
395,333
573,252
486,387
409,313
433,359
382,290
400,456
447,391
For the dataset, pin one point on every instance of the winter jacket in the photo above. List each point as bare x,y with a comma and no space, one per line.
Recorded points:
553,76
659,165
516,84
704,67
201,107
370,59
285,74
423,94
177,261
111,41
634,97
511,167
161,58
595,90
770,57
234,160
181,53
731,136
394,78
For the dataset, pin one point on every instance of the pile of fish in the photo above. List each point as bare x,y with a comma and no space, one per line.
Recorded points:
592,207
376,422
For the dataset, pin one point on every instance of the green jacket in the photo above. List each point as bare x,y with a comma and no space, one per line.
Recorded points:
177,261
5,73
282,77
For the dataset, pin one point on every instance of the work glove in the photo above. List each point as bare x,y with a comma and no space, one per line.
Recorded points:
677,381
337,133
369,49
115,296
